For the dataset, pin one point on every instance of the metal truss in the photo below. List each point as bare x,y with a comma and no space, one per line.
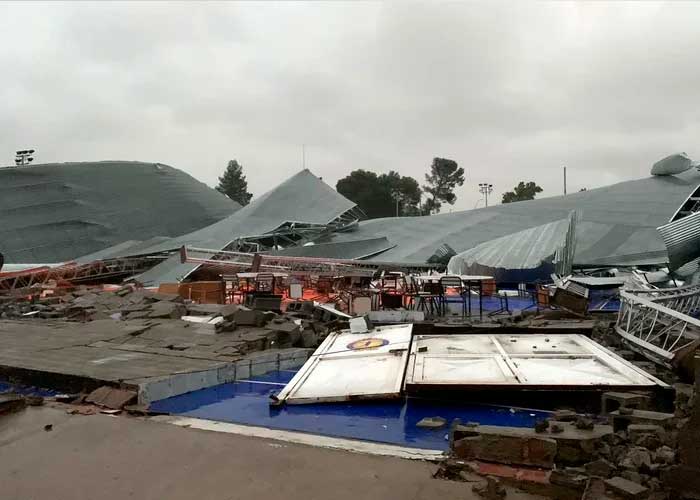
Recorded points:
689,206
660,324
304,266
27,280
295,233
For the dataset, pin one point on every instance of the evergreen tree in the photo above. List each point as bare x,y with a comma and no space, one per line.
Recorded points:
522,192
233,184
445,175
377,195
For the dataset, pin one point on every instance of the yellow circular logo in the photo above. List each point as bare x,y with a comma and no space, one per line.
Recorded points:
369,343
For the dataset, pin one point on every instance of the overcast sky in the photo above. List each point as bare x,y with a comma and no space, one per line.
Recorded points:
511,91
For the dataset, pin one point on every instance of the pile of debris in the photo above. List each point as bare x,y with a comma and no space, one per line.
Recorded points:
146,313
626,453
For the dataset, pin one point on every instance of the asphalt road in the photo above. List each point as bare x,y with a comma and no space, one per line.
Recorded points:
116,458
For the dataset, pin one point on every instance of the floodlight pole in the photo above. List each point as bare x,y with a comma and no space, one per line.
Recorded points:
486,189
24,157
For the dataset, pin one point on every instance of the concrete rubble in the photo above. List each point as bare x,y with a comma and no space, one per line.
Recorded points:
148,342
634,448
631,448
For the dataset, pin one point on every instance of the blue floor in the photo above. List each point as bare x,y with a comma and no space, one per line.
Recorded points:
492,304
598,302
26,390
386,422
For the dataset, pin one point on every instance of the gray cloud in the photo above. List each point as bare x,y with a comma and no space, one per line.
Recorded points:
512,91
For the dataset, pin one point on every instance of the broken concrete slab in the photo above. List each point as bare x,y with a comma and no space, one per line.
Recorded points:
646,435
564,415
575,446
204,309
622,418
167,309
626,488
248,317
636,458
110,397
309,338
664,455
611,401
155,388
506,445
283,325
569,477
162,297
228,311
634,476
600,468
10,403
595,490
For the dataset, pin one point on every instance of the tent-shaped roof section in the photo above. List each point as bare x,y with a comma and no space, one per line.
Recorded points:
303,198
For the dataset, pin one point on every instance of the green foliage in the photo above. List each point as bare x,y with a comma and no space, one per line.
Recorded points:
233,183
522,192
376,194
445,175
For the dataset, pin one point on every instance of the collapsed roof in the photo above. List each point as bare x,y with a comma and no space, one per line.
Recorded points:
56,212
301,205
526,256
616,227
617,224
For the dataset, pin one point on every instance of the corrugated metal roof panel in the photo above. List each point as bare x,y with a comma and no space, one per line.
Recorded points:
682,238
303,198
617,225
59,211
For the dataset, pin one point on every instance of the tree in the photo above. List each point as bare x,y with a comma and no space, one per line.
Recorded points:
444,176
406,189
376,194
233,183
522,192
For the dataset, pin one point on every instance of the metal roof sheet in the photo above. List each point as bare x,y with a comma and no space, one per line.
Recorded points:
617,225
302,198
358,249
522,256
57,212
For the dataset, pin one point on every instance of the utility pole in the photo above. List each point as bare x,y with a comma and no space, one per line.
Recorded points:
24,157
564,181
486,189
303,156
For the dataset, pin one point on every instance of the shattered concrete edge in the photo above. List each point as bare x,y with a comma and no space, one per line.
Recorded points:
158,388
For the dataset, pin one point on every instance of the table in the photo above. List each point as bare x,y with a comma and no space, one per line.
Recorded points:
469,281
255,275
248,277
